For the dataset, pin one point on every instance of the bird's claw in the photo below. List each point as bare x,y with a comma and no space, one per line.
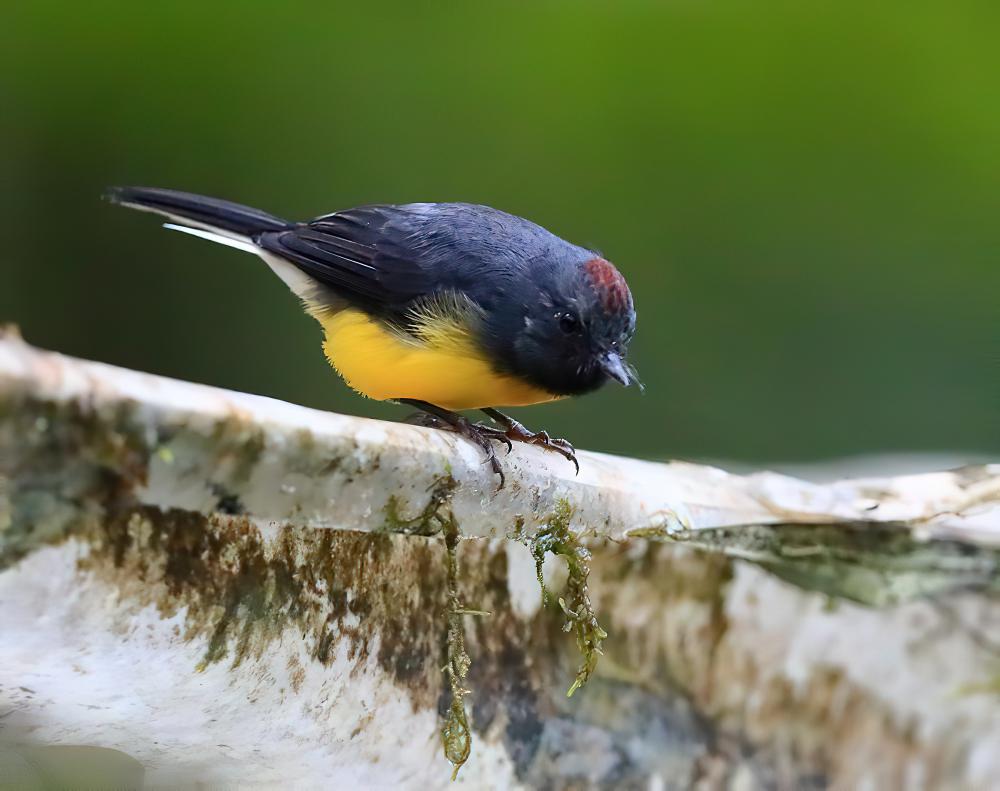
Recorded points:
482,436
514,431
494,433
554,444
557,445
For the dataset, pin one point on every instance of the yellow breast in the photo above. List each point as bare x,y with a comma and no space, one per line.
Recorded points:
443,368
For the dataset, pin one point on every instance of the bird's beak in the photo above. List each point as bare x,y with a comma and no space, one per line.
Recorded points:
614,366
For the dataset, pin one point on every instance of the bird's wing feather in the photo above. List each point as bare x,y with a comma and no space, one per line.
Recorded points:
364,254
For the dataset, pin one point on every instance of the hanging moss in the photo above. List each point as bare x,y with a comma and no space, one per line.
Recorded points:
557,538
456,735
431,519
436,517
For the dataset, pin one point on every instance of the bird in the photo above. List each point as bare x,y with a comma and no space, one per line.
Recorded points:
444,307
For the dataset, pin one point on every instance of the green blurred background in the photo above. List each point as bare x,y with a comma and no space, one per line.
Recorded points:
805,197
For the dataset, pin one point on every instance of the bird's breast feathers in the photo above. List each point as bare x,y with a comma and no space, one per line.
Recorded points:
438,361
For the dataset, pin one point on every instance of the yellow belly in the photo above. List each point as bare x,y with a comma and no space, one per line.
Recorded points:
446,371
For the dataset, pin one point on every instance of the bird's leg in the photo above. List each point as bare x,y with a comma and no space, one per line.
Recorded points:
452,421
518,433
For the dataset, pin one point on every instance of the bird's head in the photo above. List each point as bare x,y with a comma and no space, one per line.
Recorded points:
575,336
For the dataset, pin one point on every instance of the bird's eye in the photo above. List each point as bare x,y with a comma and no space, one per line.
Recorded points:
568,323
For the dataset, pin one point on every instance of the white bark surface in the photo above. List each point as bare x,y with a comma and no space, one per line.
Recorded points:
612,495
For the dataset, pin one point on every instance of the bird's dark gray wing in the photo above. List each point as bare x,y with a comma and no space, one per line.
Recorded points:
366,255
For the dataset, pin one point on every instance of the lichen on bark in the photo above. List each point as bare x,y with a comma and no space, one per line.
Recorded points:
878,565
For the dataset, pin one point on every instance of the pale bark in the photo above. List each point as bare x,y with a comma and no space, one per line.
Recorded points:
231,589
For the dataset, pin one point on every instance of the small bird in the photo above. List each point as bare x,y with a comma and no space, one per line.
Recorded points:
440,306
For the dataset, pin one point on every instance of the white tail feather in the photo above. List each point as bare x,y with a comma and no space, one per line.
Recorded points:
238,242
303,286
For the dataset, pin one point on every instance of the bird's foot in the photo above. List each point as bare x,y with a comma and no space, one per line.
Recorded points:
516,432
427,421
476,433
483,436
433,421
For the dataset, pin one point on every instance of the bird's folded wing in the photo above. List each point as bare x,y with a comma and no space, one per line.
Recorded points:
365,255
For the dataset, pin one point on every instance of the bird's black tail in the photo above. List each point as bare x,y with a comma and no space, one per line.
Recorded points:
186,208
